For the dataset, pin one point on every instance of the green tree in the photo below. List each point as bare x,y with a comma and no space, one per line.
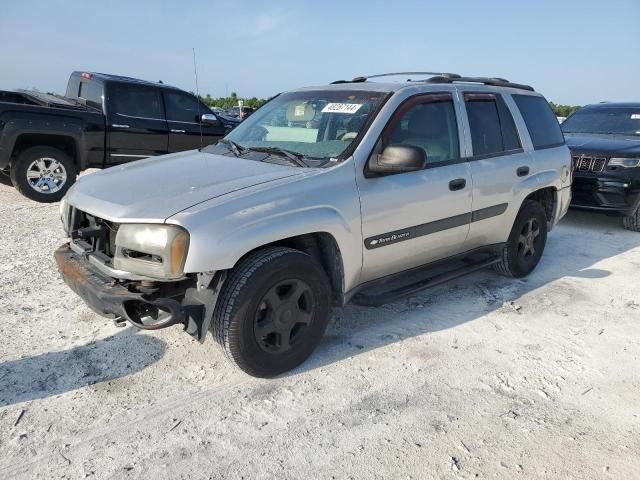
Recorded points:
563,110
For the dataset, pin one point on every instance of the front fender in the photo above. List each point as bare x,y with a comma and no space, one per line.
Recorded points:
326,203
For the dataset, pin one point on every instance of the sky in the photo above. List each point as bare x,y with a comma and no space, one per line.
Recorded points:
574,52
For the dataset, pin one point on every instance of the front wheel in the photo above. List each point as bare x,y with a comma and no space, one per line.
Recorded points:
43,174
272,311
526,241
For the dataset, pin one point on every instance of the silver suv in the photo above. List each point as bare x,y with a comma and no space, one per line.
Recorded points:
358,191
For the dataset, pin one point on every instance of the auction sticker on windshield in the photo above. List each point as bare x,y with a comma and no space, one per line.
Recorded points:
341,107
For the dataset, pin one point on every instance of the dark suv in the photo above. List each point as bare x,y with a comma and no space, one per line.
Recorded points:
605,147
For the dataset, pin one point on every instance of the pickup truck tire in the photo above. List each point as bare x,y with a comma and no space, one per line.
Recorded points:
43,174
526,242
632,222
272,311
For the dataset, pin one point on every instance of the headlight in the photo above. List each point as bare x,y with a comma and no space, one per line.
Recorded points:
64,214
157,251
624,162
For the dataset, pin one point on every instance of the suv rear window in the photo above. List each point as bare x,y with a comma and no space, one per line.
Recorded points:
492,128
541,122
135,101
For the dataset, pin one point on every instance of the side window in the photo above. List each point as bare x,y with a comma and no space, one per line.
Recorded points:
429,124
91,91
182,107
540,120
135,101
492,128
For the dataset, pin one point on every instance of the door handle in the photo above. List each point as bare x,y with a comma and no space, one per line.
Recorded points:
457,184
173,130
119,125
523,171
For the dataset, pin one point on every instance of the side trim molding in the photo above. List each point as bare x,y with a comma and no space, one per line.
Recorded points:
416,231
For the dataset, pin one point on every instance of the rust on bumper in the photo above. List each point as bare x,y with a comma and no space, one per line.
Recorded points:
108,298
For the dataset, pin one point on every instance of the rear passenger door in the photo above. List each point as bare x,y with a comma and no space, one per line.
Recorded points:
136,127
414,218
498,166
184,112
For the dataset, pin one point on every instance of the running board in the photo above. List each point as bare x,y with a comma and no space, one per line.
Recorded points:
370,298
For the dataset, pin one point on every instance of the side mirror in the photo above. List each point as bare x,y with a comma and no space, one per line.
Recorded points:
398,159
209,119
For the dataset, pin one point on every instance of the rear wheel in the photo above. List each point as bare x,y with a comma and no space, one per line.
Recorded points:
272,311
632,222
526,242
43,174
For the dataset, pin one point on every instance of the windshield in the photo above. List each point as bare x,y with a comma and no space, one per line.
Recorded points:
613,120
313,124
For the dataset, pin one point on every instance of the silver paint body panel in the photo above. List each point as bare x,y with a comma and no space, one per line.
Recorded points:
231,206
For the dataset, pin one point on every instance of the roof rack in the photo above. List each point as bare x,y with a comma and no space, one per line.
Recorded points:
365,78
439,77
493,81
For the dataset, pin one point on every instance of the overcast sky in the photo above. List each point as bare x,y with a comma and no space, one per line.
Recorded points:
574,52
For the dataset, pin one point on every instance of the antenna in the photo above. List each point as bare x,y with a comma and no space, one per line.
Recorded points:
195,72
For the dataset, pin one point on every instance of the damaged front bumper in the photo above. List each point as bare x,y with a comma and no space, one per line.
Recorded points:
110,298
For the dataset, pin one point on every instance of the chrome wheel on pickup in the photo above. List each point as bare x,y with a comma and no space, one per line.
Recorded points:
46,175
43,174
272,311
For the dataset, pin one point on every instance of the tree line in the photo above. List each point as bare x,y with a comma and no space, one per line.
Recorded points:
231,101
563,110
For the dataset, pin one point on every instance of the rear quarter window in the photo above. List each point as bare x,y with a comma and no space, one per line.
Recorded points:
541,122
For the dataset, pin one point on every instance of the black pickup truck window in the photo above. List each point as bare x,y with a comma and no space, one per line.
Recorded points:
135,101
183,108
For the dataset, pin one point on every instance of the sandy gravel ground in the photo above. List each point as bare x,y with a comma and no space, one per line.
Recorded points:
481,378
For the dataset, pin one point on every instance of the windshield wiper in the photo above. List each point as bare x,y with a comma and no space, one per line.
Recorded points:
293,156
236,148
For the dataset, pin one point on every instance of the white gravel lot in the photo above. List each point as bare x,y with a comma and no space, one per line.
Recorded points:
483,377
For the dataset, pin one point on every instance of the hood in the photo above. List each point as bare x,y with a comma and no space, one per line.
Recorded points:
154,189
609,145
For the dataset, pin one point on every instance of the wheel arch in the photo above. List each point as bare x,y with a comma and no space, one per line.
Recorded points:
64,143
548,198
324,248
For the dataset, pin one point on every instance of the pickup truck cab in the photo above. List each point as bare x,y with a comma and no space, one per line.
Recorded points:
356,191
102,121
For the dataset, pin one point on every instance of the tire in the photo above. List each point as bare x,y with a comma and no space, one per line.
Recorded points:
43,174
262,329
632,222
523,251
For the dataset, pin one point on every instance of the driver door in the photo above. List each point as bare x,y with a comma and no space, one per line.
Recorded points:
413,218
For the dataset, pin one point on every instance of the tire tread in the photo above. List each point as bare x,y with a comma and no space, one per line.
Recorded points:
225,310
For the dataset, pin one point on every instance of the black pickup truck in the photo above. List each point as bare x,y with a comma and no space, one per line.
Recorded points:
103,120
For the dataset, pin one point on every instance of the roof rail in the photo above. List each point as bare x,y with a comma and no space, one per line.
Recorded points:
494,81
365,78
440,77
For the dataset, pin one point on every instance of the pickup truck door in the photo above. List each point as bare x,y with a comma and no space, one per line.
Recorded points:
413,218
136,126
183,118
